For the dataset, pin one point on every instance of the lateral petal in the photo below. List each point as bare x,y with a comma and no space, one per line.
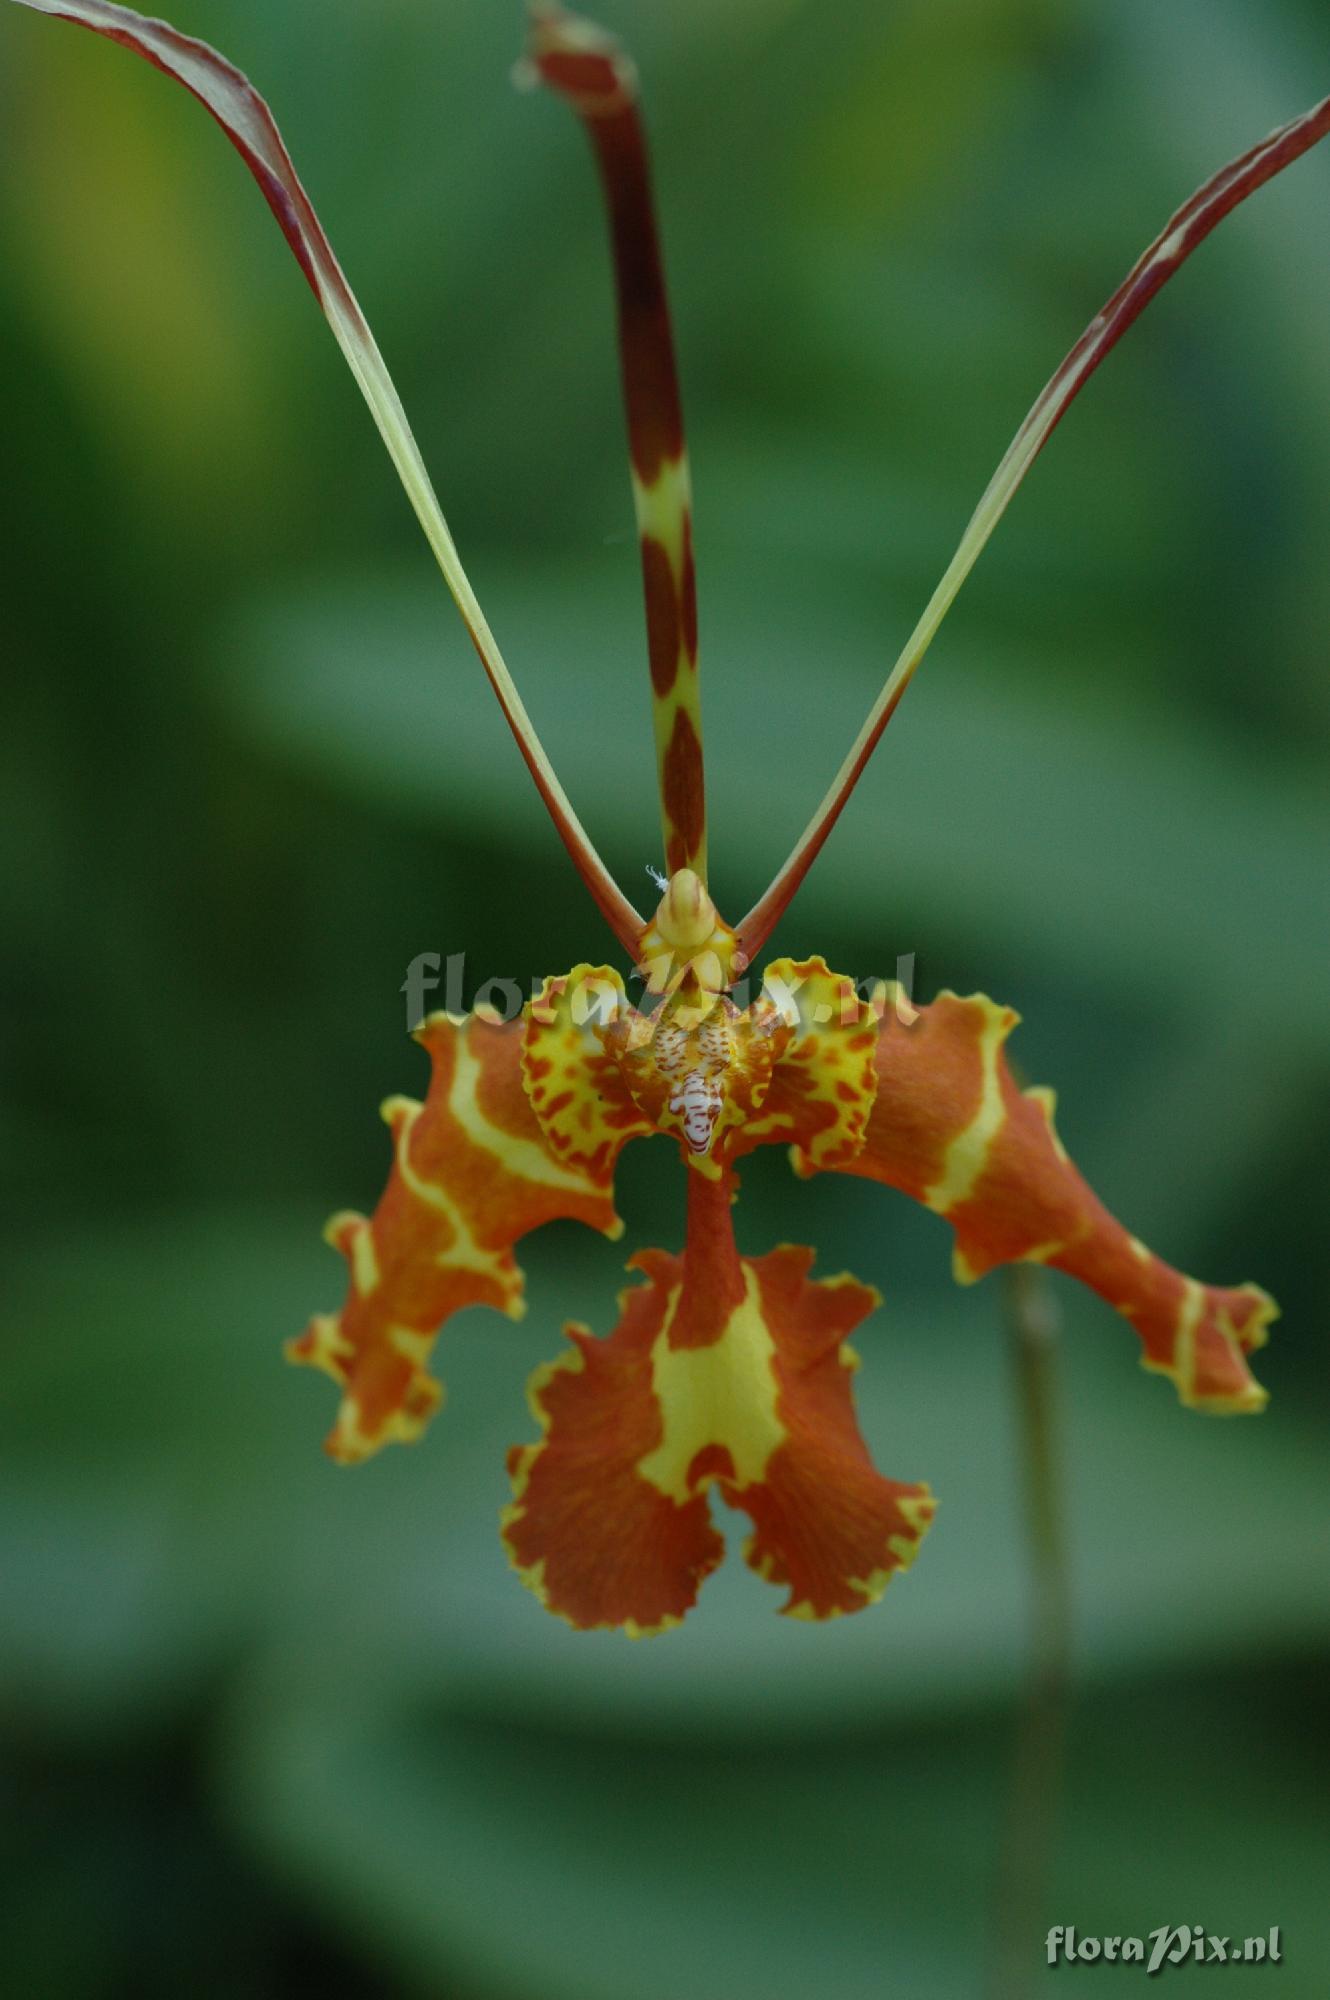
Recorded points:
471,1174
953,1129
576,1088
823,1086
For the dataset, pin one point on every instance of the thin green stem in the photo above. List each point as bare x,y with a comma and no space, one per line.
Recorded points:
1035,1796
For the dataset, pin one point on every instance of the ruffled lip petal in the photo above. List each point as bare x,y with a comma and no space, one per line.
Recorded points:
609,1523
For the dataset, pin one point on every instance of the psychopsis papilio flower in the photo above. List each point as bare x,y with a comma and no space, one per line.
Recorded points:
724,1369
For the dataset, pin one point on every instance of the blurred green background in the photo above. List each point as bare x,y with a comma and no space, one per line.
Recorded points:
269,1722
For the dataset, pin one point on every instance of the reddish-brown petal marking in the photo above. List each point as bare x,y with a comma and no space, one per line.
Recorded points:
590,71
722,1369
663,622
688,597
682,801
471,1175
951,1128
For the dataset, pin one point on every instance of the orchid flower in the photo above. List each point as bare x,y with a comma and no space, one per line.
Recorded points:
724,1369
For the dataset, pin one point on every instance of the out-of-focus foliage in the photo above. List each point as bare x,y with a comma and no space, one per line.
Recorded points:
270,1720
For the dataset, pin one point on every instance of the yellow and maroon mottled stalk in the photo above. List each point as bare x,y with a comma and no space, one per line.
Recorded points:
590,70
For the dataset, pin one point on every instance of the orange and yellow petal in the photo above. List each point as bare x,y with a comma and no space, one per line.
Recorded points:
729,1372
952,1128
471,1174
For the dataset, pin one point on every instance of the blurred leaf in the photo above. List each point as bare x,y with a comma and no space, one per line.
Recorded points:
1221,1103
550,1865
559,1868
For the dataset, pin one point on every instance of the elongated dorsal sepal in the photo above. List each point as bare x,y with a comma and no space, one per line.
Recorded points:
589,69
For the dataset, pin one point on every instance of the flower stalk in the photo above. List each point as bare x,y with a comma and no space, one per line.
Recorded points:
1034,1799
